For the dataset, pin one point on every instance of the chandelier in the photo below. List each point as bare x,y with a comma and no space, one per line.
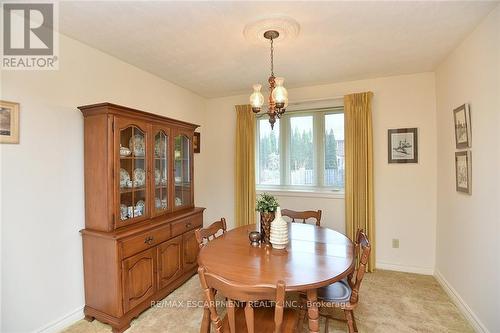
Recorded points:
278,96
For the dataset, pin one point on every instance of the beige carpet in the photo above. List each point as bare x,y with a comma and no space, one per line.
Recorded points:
390,302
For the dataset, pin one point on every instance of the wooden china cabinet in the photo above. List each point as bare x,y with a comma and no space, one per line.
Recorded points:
138,241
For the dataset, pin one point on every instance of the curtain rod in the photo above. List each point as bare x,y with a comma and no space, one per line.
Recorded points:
300,101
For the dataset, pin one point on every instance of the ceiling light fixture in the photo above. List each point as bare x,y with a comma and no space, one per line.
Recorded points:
278,96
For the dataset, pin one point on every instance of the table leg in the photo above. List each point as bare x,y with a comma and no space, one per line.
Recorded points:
312,310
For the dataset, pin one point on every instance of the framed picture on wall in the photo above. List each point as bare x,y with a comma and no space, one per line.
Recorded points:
402,145
196,142
463,131
463,170
9,122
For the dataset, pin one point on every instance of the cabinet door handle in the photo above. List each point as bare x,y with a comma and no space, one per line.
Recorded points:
188,225
149,240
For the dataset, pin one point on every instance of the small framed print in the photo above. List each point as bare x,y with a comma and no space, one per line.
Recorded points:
463,131
196,142
9,122
463,171
403,145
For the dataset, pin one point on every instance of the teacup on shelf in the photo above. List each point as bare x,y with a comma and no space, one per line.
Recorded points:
124,151
123,212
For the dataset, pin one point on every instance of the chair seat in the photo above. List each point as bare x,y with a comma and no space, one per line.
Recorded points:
338,292
263,319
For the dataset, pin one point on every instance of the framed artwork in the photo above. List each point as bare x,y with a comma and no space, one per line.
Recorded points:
463,170
9,122
402,145
196,143
462,127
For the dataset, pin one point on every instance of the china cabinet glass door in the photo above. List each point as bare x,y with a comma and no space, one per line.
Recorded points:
132,173
182,171
160,172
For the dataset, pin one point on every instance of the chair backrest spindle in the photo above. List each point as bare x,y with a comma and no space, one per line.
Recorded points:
364,252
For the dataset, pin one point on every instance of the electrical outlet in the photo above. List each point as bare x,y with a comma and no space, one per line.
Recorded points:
395,243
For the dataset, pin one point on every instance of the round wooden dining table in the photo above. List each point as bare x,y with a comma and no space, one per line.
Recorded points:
314,257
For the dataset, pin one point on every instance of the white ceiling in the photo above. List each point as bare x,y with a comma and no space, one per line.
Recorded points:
200,45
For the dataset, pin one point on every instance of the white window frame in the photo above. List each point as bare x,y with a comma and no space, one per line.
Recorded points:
319,189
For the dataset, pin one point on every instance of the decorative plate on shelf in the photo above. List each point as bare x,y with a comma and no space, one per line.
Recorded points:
159,144
178,201
157,177
124,178
136,144
139,177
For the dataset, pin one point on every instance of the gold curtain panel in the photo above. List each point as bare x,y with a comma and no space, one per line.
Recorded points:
245,165
359,212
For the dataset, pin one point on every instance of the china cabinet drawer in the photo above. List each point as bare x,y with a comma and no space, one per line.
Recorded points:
186,225
145,240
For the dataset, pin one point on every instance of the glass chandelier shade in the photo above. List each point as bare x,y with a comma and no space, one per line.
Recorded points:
279,94
256,98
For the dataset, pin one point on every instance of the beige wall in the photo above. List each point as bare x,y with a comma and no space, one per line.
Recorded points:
405,195
42,177
468,226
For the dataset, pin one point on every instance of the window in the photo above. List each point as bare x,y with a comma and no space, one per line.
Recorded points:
334,150
269,153
301,151
305,151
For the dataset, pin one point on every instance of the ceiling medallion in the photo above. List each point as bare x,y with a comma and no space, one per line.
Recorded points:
286,27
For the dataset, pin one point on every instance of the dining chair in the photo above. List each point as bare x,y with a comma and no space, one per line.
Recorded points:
304,215
205,235
358,238
252,317
344,294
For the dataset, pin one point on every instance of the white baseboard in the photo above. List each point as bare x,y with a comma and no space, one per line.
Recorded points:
63,322
471,317
403,268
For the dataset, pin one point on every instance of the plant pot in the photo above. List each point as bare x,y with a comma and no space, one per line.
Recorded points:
265,226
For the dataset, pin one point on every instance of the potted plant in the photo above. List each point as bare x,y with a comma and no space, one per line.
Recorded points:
266,205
